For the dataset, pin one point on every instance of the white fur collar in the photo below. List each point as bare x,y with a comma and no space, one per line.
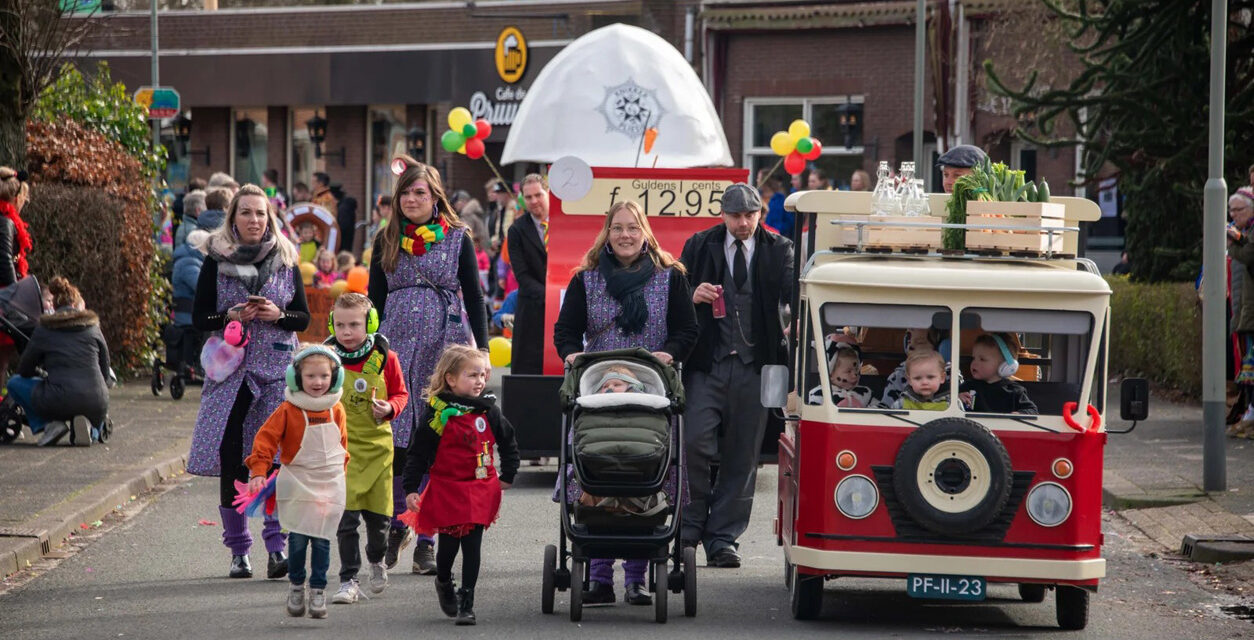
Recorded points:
304,401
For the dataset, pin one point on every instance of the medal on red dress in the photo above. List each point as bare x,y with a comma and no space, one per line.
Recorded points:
483,460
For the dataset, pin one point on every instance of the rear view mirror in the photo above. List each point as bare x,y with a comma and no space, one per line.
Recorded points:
1134,399
774,386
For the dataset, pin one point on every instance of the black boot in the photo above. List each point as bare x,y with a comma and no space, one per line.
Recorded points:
276,567
465,607
447,593
240,567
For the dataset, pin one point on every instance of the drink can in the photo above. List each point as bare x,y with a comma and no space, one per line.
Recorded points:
720,306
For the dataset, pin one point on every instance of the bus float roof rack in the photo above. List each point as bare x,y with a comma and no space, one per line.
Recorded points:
861,245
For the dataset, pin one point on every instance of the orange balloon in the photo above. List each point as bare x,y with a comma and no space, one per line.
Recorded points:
358,279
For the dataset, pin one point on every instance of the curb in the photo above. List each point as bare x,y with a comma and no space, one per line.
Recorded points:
1119,493
50,530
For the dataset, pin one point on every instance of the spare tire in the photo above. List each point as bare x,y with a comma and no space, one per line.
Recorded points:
952,476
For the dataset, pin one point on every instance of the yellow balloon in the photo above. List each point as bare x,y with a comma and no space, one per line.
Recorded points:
782,143
460,117
366,255
798,130
462,149
307,271
337,288
500,351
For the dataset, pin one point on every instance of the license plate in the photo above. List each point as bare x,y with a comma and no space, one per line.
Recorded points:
932,586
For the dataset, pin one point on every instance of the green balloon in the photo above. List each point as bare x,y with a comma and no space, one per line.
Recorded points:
452,141
469,131
804,146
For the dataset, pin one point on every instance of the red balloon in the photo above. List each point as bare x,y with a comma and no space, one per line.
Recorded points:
814,152
483,129
474,148
794,164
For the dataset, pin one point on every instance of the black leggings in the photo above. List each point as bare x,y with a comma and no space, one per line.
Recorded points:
447,552
231,453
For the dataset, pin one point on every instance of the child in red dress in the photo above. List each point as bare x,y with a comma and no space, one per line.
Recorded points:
453,442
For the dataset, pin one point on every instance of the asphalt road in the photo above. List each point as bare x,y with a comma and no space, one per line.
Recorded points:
159,574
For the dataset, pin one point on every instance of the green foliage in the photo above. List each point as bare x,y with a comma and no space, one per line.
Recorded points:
1156,332
1140,103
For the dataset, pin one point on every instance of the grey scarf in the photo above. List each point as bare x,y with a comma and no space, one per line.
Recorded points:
251,264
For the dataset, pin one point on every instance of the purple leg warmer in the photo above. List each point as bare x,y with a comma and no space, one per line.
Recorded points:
272,533
601,570
235,533
634,571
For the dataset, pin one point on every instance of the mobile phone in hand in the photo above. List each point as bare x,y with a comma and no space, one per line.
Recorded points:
256,299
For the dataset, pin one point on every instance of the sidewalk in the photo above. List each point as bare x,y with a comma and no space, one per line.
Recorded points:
46,493
1153,477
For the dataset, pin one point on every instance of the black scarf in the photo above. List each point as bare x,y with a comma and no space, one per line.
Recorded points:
626,285
482,404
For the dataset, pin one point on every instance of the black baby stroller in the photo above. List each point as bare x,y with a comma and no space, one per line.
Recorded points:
183,344
621,447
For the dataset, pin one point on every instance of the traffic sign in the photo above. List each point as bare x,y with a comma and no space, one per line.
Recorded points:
162,102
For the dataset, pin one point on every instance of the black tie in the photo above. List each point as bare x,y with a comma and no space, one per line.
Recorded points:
740,270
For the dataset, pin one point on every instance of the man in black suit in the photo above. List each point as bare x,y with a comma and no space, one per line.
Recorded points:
751,270
529,258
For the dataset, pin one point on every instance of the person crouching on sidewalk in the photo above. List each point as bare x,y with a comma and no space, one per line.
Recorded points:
453,442
308,433
69,346
371,372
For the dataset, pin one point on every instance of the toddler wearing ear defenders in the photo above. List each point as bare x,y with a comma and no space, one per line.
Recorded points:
308,434
374,392
992,364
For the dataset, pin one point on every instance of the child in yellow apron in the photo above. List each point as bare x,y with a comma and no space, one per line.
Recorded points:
308,434
371,373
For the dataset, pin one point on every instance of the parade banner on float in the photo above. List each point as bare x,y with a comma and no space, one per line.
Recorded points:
678,202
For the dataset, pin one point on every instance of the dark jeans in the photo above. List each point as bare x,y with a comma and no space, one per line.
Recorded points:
319,560
350,542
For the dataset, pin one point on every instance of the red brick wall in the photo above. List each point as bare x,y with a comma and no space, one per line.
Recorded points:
211,127
346,128
276,143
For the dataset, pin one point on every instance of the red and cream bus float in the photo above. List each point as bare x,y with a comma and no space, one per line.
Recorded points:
991,475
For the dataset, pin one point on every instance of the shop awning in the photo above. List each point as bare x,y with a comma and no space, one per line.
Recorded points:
746,16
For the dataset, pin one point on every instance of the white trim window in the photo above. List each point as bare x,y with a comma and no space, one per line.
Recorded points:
834,120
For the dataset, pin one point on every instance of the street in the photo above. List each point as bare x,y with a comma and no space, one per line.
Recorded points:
160,574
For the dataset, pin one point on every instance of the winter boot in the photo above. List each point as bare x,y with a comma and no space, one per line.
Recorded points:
465,607
236,537
447,593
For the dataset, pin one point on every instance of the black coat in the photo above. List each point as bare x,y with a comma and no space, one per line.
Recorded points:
69,346
8,251
530,261
773,281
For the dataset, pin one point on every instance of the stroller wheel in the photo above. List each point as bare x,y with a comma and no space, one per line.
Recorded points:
576,589
659,590
158,379
549,585
176,387
690,581
106,430
11,420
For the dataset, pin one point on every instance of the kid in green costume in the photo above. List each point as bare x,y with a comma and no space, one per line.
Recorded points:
371,373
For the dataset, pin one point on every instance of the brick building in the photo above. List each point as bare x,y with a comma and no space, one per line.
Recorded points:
381,74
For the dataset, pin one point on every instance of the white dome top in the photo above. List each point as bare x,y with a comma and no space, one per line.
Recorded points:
597,96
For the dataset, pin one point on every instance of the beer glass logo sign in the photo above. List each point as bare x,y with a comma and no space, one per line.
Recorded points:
511,54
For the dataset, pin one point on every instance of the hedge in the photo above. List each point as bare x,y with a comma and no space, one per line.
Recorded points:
1156,333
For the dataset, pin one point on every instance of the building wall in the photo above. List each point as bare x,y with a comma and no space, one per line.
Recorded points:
276,144
211,128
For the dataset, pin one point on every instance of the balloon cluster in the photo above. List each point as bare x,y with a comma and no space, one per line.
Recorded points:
796,146
464,134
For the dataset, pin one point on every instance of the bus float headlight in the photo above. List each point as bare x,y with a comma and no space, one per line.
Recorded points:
856,497
1049,504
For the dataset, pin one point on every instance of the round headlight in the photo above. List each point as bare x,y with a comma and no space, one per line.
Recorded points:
1049,504
856,497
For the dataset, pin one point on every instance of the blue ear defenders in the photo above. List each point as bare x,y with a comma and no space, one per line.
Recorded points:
372,321
1009,365
337,376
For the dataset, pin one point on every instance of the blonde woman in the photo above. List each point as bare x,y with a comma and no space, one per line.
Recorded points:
627,292
15,243
249,276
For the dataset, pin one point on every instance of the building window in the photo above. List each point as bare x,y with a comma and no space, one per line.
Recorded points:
304,164
835,120
387,140
251,141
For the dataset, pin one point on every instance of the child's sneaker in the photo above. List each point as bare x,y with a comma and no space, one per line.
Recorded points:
296,601
424,558
317,603
348,594
378,577
398,539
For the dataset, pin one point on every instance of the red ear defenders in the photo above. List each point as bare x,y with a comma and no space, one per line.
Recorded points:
372,321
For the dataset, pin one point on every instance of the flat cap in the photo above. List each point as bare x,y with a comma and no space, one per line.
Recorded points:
740,198
962,156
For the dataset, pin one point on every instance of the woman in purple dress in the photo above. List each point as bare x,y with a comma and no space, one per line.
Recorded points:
628,292
424,279
250,277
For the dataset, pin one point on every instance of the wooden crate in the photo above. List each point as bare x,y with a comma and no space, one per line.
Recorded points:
888,237
1041,215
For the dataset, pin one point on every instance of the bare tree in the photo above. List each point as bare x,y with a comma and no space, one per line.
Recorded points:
35,35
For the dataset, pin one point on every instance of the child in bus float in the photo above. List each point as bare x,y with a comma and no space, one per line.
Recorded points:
925,370
307,241
916,340
326,275
845,359
994,390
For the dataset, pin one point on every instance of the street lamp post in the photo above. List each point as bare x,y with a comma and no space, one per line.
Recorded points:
1214,464
156,124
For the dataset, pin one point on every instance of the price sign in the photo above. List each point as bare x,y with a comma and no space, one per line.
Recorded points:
658,197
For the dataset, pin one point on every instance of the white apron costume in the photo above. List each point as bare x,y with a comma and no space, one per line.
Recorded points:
310,490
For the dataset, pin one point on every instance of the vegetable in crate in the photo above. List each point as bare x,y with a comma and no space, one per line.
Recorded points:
988,182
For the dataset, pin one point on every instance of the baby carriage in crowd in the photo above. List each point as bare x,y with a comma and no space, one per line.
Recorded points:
183,344
621,448
21,304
